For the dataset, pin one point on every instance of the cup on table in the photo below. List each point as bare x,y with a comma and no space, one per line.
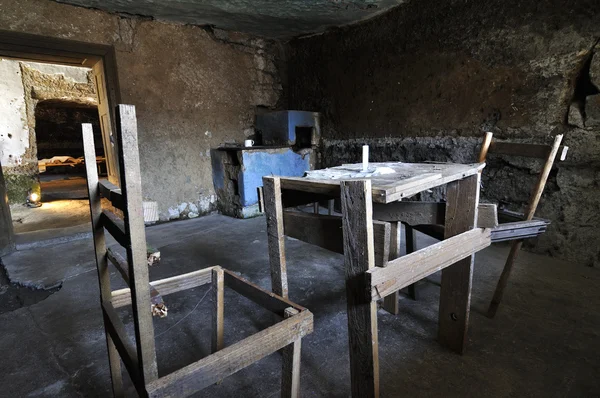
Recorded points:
248,142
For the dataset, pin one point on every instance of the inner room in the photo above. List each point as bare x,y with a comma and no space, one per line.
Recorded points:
325,198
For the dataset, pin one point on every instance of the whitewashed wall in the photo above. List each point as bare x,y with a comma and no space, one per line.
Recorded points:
14,134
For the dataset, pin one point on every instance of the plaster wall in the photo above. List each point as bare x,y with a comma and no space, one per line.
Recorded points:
193,88
425,80
14,135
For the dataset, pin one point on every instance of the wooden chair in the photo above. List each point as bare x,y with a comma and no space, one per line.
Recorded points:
139,355
510,225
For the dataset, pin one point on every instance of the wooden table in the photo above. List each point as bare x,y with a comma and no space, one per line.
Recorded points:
366,283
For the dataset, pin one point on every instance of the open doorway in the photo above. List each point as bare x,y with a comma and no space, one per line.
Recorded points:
48,88
45,172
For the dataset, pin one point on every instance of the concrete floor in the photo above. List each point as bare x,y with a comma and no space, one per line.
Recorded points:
544,341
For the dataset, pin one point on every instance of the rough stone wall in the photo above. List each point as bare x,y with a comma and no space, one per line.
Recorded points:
425,80
193,88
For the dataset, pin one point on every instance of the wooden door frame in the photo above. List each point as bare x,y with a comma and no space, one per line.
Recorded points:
44,49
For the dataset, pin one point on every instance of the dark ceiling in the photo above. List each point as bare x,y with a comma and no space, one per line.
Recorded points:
281,19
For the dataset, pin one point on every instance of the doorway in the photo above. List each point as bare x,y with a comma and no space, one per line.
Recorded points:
42,162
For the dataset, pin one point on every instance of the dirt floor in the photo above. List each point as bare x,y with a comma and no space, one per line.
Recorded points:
544,341
64,204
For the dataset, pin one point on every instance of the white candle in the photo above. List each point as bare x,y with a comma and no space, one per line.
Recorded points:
365,158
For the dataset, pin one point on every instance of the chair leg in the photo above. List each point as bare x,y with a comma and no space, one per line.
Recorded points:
290,377
390,303
512,256
411,246
114,361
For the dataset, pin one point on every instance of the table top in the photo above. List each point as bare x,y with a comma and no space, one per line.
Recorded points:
390,181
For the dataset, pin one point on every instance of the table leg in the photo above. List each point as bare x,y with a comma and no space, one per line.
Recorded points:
390,303
411,246
359,256
275,235
455,294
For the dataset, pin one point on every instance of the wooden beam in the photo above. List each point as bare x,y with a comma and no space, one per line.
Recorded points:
100,252
487,215
122,297
123,343
532,207
157,304
326,231
218,302
131,186
359,257
275,235
485,146
413,267
411,213
390,302
229,360
115,226
113,193
293,198
265,299
290,373
457,279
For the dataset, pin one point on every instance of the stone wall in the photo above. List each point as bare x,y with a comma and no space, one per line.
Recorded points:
425,80
193,88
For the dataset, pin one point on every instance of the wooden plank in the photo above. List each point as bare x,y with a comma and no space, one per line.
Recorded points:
113,193
324,187
326,231
432,184
136,252
100,252
291,198
400,187
157,304
487,215
485,146
413,267
533,203
275,235
359,257
218,312
265,299
411,213
411,247
457,279
115,226
540,151
123,343
231,359
407,183
390,302
122,297
290,373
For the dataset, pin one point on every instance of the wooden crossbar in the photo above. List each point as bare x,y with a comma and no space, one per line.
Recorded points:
121,265
125,347
112,192
413,267
540,151
230,360
115,226
326,231
265,299
122,297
